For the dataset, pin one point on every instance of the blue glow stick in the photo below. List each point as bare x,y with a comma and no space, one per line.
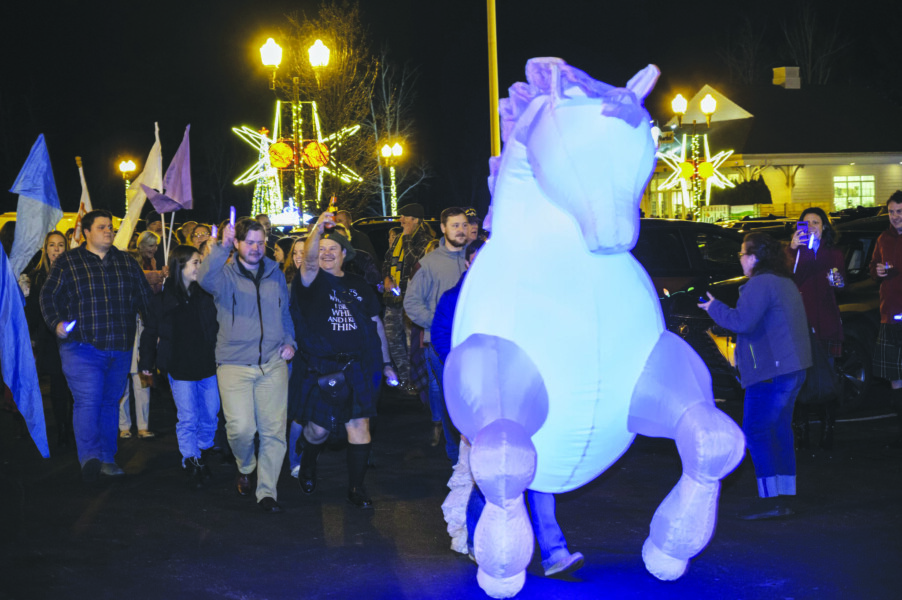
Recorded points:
232,215
70,326
396,291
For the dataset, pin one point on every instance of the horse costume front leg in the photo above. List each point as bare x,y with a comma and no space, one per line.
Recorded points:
674,399
500,402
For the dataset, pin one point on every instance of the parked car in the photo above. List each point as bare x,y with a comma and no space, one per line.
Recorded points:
858,304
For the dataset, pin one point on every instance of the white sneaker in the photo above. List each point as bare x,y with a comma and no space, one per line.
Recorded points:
566,565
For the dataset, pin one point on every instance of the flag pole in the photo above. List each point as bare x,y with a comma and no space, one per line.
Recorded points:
169,243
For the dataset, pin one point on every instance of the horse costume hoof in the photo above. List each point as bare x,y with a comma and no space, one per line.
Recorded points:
501,587
662,566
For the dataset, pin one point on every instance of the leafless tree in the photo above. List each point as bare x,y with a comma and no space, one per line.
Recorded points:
812,45
391,121
743,53
342,90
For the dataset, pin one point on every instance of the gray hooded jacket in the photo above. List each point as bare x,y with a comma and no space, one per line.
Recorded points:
254,320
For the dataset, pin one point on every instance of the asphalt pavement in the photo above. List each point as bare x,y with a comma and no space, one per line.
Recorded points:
149,536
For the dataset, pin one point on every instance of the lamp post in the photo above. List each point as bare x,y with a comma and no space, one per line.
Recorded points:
127,167
392,154
696,169
271,55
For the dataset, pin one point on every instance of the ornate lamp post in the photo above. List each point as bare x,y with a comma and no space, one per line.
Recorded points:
697,172
127,167
392,154
271,55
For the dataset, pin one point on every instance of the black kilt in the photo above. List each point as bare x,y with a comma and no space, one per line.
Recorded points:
308,403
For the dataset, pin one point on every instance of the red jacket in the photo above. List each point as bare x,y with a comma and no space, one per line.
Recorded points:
889,250
818,295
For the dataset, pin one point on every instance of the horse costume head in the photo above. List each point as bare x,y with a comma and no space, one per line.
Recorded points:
589,146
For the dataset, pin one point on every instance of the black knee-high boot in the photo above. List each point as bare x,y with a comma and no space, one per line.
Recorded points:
307,476
357,463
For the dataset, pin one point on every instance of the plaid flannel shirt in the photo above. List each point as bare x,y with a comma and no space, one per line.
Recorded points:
103,295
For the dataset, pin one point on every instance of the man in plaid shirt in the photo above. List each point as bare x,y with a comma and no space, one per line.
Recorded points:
90,299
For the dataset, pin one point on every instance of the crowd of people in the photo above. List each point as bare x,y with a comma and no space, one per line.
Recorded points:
284,341
279,340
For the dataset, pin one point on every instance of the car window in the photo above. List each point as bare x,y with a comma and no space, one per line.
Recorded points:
857,251
718,252
661,252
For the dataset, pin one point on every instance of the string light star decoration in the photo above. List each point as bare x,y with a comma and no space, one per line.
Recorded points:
689,174
267,189
277,154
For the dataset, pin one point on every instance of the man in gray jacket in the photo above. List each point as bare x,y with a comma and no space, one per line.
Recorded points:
438,272
256,337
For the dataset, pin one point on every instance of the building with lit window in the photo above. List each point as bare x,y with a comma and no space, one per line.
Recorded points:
828,146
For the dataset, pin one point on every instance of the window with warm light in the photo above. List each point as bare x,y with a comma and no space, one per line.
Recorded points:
850,191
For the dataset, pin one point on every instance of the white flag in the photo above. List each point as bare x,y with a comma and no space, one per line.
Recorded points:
151,176
84,205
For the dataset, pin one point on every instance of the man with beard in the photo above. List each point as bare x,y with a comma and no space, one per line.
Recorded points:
438,272
255,338
885,265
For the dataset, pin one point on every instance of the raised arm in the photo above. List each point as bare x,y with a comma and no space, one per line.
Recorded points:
310,264
210,275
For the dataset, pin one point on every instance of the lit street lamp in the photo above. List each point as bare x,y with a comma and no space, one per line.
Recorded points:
392,154
271,55
699,167
127,167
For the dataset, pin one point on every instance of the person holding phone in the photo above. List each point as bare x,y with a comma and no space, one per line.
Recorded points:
819,270
888,352
773,350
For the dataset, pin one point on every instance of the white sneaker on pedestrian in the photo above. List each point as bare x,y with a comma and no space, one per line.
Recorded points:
566,565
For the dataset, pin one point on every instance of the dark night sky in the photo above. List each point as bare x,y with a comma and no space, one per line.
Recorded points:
94,76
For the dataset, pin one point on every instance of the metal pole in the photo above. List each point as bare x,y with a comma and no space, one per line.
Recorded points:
494,117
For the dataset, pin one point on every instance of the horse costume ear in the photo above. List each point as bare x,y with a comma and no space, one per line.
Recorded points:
642,82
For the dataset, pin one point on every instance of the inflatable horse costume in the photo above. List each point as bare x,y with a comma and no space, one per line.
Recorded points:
560,352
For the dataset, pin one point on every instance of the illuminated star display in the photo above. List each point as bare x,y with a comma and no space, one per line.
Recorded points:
689,173
316,152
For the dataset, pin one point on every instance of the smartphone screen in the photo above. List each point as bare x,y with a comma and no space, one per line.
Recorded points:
802,226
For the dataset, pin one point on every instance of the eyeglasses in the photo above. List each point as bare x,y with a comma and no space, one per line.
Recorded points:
200,235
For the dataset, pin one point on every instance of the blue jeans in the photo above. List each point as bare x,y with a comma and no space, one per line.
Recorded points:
97,379
552,544
197,407
437,404
767,425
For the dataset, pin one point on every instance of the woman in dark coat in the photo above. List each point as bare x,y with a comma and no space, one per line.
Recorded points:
180,338
818,270
43,339
773,350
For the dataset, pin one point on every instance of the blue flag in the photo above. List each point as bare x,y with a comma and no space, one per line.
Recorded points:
16,358
38,210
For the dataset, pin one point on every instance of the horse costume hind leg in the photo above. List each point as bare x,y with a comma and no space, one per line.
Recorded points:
561,359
